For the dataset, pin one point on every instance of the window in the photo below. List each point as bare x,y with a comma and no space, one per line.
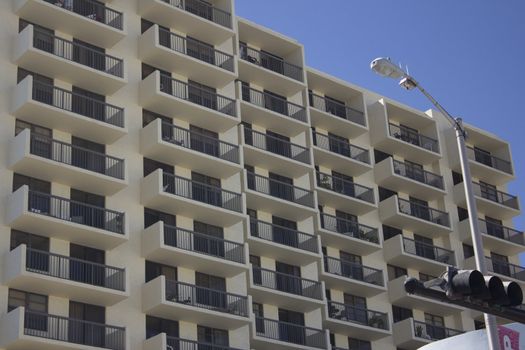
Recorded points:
281,186
214,336
202,94
339,144
401,313
343,184
212,291
380,155
41,138
389,232
157,325
435,326
457,178
424,247
258,312
204,140
32,302
351,266
290,333
334,106
208,246
278,144
468,251
80,271
151,216
358,344
154,270
200,50
355,308
489,191
34,184
462,214
494,227
89,55
275,102
88,103
284,281
29,239
385,193
85,159
500,264
482,156
285,231
206,189
150,165
346,223
85,333
395,272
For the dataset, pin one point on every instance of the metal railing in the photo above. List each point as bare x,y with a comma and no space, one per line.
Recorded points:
78,103
283,235
287,283
353,270
174,343
197,95
494,195
76,156
423,212
75,212
418,174
271,62
340,110
79,53
349,228
290,332
203,243
505,268
93,10
203,9
280,189
429,251
276,145
433,332
340,147
199,142
350,313
195,49
274,103
489,160
201,192
73,330
414,138
345,187
500,231
206,298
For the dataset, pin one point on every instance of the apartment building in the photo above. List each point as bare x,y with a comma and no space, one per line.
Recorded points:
175,177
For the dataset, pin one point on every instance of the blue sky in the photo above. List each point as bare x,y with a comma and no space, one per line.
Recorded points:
469,54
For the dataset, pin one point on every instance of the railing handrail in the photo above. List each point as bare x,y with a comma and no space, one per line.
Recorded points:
351,147
274,63
349,306
278,181
350,263
282,227
182,5
193,286
203,235
426,207
197,343
257,268
419,135
197,88
425,173
448,331
439,250
197,42
335,103
68,319
347,143
288,323
213,139
353,223
356,186
498,159
504,263
357,225
506,231
498,192
119,15
273,57
214,188
346,181
275,97
276,139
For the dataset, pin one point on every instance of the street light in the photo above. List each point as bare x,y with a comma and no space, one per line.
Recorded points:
384,67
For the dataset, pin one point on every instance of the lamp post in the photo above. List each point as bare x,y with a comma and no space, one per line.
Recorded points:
385,68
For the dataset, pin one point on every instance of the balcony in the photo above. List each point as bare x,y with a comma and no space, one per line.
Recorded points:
24,329
63,276
414,217
180,247
268,334
356,238
163,341
70,61
186,56
339,193
275,154
345,275
87,20
403,177
181,196
496,238
272,112
411,334
60,109
502,269
398,296
62,218
405,252
273,196
167,96
171,144
356,322
489,201
177,300
68,164
195,17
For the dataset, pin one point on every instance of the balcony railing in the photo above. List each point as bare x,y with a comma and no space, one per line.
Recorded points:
429,251
73,330
345,187
78,103
283,235
79,53
199,142
287,283
505,268
494,195
500,231
271,62
76,156
75,212
93,10
274,103
280,189
276,145
489,160
353,314
339,110
415,138
417,174
185,344
354,271
433,332
203,9
203,244
197,95
290,333
206,298
340,147
423,212
349,228
195,49
201,192
68,268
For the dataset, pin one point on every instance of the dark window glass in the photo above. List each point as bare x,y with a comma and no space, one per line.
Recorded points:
206,189
385,193
154,270
31,302
358,344
456,177
468,251
462,214
84,333
151,216
395,272
389,232
83,54
87,273
500,264
202,94
214,336
84,214
204,140
29,239
401,313
150,165
33,184
212,290
281,187
145,25
380,156
201,244
157,325
22,73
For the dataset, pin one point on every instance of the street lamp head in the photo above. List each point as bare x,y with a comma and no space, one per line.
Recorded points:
384,67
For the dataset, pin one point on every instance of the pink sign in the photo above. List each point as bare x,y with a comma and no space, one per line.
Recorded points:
508,339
